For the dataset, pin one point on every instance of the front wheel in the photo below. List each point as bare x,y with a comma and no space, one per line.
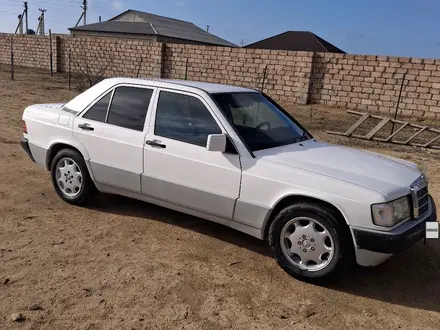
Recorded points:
71,179
311,243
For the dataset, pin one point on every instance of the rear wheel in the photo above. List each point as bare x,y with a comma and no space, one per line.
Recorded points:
71,179
311,243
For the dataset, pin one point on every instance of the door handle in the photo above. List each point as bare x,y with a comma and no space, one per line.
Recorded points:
86,127
155,144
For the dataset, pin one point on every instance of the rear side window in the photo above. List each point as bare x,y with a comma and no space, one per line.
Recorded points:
129,107
99,110
184,118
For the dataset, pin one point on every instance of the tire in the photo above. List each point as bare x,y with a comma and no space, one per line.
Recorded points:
78,174
335,240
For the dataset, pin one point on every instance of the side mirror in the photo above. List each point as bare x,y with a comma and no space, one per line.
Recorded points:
216,142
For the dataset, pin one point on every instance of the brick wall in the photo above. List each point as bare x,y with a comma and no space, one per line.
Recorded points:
350,81
117,57
31,51
373,83
287,78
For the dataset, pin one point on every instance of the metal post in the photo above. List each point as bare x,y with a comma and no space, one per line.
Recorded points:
139,68
99,19
398,102
264,78
69,70
186,70
51,55
12,59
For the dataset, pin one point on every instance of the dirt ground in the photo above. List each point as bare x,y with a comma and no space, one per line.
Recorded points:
124,264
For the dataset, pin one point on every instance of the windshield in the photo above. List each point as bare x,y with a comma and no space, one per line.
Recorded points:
258,121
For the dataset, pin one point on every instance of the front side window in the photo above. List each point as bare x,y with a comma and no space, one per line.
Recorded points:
129,107
258,121
98,111
184,118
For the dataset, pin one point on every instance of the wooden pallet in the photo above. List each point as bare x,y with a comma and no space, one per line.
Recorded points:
391,138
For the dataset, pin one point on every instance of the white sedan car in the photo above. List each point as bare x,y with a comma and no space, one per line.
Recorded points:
232,155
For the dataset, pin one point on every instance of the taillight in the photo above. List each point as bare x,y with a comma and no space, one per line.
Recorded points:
24,127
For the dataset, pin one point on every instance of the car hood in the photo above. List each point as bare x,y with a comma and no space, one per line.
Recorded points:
385,174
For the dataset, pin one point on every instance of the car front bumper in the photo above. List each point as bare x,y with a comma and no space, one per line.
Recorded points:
392,243
25,145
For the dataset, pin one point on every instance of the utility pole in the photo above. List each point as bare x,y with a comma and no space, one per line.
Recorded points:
26,15
20,20
207,28
41,21
99,19
20,24
84,7
83,14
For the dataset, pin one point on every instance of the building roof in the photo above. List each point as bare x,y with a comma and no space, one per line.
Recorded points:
296,41
150,24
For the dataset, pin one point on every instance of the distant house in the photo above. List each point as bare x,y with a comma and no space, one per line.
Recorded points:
296,41
139,25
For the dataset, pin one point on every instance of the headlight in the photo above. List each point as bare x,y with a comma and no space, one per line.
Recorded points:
391,213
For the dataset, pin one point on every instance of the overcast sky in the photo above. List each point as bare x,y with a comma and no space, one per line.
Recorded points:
384,27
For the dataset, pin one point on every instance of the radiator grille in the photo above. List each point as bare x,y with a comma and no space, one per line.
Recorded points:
420,197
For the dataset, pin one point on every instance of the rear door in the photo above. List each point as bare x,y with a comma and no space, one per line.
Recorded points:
177,166
112,131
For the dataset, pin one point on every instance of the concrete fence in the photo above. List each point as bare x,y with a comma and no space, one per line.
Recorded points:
362,82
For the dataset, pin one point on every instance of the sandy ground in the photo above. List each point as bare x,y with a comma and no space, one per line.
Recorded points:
124,264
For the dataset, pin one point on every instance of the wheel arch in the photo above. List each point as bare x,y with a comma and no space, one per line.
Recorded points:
293,199
59,145
55,147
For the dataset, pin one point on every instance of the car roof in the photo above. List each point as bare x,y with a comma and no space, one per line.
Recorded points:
84,99
206,86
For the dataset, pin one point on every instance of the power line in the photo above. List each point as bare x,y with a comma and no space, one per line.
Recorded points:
8,12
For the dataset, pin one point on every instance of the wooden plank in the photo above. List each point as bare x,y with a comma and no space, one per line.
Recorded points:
433,130
357,136
356,112
432,141
357,124
417,126
398,121
335,133
384,121
398,130
377,128
423,128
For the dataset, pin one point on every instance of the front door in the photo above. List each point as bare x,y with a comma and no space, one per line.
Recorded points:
112,131
177,166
